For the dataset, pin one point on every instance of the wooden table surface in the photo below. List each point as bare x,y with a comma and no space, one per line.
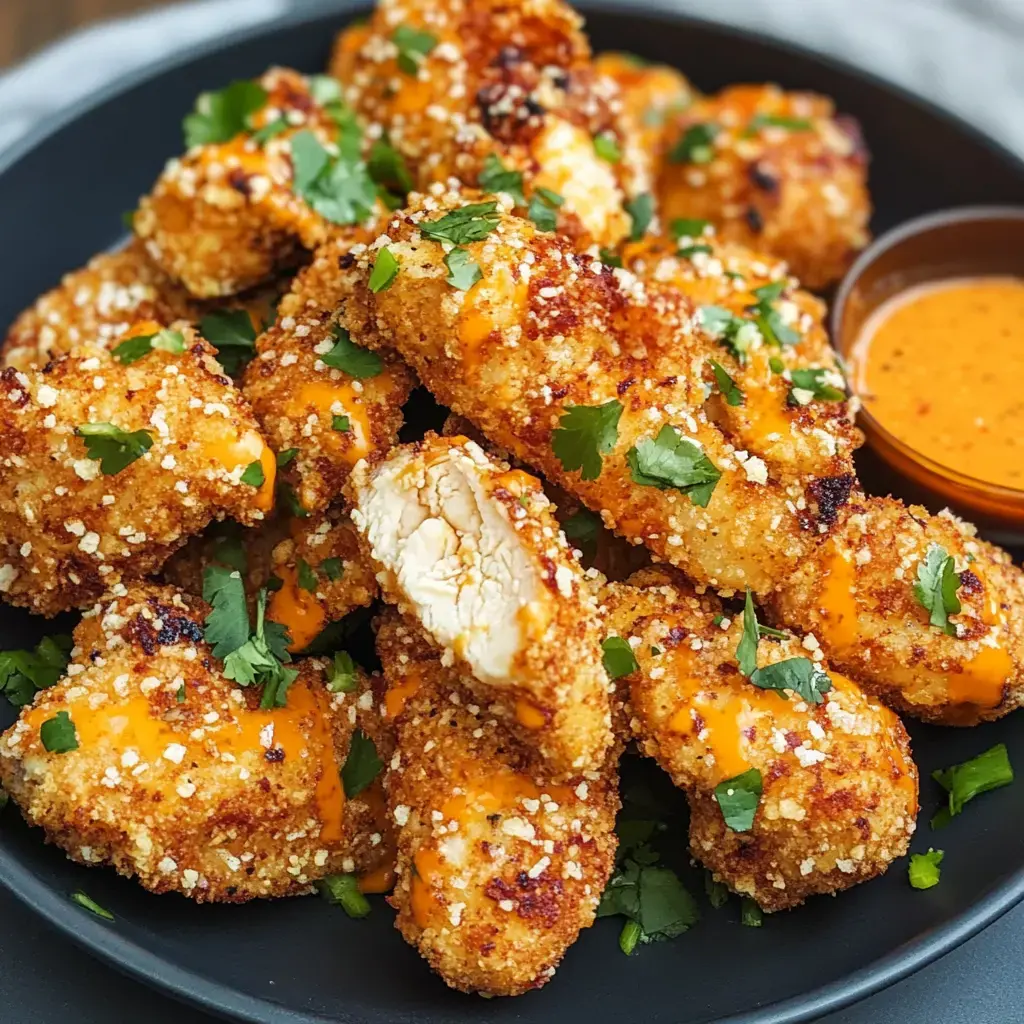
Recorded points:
26,25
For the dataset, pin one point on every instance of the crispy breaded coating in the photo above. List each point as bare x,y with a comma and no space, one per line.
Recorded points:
72,524
499,865
226,216
856,595
471,549
313,566
778,171
546,330
490,78
96,305
178,778
839,797
327,418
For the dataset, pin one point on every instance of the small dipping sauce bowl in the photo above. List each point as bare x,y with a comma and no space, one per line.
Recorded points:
972,242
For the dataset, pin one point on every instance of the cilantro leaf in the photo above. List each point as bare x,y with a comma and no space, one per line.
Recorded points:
582,529
351,358
746,650
584,434
290,500
362,764
687,227
115,449
989,770
270,131
254,475
496,177
801,675
606,146
696,146
283,458
463,273
88,903
131,350
387,167
812,384
340,423
738,799
231,333
924,868
733,332
670,460
716,892
343,891
385,270
936,587
728,388
227,625
305,575
641,213
58,734
543,209
414,45
751,914
341,676
228,549
338,188
793,124
332,568
768,319
689,251
610,258
472,223
618,658
220,116
24,673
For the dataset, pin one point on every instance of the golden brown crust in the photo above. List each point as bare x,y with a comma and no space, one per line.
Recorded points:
499,865
179,779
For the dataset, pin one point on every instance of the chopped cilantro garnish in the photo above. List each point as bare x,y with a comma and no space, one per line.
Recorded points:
362,764
385,270
687,227
220,116
671,460
353,359
738,799
88,903
232,334
341,675
718,620
340,423
936,587
582,529
58,734
228,549
689,251
793,124
732,332
305,575
963,782
290,500
618,658
584,434
254,475
23,673
746,650
610,258
812,384
696,145
496,177
343,891
472,223
270,130
339,188
180,693
463,273
717,892
768,319
924,868
115,449
286,456
606,146
128,219
776,365
729,389
751,914
543,209
641,213
133,349
332,568
387,167
413,47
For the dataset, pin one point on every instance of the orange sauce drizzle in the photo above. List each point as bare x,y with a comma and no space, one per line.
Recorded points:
837,601
529,715
232,451
495,303
321,397
297,609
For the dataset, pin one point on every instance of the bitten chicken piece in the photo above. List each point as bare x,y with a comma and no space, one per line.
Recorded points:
872,596
96,305
775,170
499,865
472,550
313,566
146,758
487,91
598,380
833,784
107,467
323,401
272,165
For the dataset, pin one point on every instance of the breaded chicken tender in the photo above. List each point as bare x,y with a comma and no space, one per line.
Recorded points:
319,397
313,566
95,306
859,596
597,379
107,467
248,200
170,773
471,549
499,865
465,88
775,170
839,797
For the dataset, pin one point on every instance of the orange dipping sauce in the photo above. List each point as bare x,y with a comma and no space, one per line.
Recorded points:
940,367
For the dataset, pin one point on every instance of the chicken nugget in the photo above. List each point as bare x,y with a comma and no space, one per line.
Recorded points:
778,171
108,463
144,757
917,609
504,96
500,865
471,549
789,797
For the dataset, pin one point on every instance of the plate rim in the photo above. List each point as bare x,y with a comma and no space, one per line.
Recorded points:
194,989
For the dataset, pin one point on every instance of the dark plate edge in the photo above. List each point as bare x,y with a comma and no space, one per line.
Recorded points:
225,1002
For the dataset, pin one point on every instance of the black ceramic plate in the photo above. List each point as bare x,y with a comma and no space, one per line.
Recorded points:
61,196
